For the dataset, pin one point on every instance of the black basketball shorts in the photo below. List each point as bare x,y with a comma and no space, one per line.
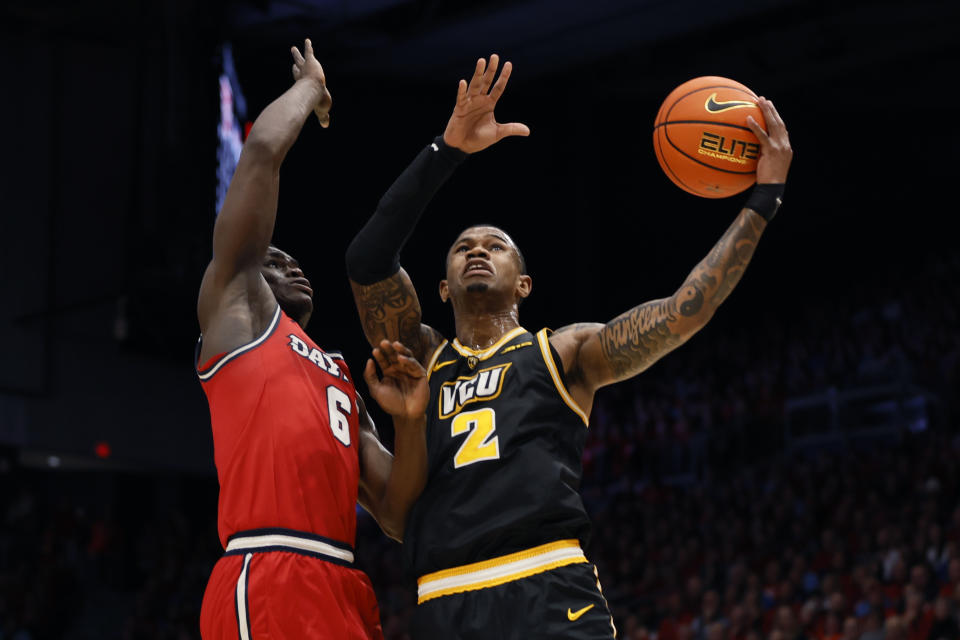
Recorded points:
561,602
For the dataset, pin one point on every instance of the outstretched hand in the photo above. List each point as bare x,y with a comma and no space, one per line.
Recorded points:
775,151
306,66
473,127
403,391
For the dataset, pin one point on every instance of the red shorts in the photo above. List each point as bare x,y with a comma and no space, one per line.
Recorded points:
279,585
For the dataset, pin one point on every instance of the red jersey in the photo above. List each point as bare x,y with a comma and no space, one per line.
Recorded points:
285,428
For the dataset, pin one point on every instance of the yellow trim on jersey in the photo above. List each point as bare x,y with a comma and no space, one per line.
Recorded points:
519,345
555,374
441,365
497,571
433,358
483,354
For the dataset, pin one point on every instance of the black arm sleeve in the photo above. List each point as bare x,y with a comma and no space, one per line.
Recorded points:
374,254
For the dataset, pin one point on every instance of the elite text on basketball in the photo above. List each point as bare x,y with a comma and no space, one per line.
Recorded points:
732,150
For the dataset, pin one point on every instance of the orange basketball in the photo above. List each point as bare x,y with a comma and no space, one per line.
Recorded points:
702,139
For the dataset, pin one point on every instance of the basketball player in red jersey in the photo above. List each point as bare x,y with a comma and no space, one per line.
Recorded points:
294,447
496,536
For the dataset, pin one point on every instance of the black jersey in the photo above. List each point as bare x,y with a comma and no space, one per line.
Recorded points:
504,446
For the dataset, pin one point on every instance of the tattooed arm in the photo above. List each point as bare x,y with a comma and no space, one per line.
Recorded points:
595,355
390,310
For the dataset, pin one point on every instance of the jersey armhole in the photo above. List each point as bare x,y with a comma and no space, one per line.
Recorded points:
206,374
209,363
547,351
434,358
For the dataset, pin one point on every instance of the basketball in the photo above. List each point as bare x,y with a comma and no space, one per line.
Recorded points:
702,140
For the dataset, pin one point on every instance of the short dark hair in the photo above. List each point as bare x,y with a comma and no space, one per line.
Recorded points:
516,247
523,261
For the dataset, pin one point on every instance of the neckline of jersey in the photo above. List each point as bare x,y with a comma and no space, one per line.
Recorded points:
483,354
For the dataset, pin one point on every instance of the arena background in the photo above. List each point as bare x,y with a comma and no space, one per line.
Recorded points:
109,182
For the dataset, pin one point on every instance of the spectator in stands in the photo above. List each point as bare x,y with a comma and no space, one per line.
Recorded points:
944,625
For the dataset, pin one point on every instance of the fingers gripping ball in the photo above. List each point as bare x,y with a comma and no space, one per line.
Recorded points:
702,140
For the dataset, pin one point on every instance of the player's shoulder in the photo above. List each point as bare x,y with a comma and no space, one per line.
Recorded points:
224,293
236,314
574,333
430,344
568,342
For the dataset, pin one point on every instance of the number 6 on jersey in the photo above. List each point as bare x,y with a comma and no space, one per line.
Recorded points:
481,444
338,407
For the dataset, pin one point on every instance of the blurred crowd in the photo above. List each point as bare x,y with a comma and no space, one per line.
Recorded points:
727,388
90,555
707,525
860,545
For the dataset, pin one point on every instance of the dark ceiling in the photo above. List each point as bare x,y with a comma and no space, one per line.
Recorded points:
425,39
422,39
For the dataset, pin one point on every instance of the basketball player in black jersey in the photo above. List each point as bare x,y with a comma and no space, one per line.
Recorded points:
495,538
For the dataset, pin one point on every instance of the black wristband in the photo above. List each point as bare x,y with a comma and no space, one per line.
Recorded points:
765,199
452,153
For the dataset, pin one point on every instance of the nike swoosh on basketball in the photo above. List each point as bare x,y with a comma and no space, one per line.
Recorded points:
575,615
713,106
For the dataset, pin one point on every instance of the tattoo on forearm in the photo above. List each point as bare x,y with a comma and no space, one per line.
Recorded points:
390,309
633,338
637,338
721,270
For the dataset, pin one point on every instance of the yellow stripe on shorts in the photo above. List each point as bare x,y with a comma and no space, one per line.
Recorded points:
497,571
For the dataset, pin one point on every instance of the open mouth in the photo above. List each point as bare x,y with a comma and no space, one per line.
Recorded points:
477,268
303,284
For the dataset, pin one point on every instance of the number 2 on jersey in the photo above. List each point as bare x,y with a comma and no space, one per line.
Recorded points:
481,444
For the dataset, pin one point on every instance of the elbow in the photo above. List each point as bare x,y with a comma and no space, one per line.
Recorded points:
394,534
705,317
392,528
694,306
261,148
368,262
691,322
699,321
354,259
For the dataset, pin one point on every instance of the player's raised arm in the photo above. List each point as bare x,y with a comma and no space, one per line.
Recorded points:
389,485
599,354
245,224
386,298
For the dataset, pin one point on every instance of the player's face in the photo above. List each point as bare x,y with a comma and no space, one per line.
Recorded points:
290,287
483,259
